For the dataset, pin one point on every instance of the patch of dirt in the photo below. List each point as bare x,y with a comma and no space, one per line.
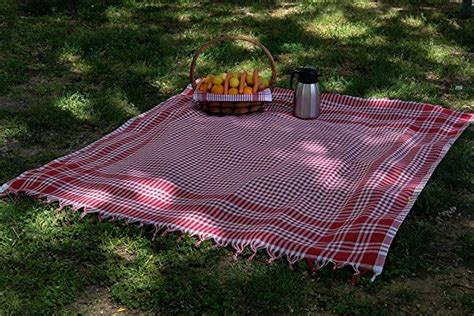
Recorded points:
450,230
12,105
22,96
96,301
435,295
443,292
18,149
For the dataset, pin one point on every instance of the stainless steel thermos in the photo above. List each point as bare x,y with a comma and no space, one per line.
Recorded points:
307,99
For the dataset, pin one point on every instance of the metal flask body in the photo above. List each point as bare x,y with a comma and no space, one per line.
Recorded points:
307,97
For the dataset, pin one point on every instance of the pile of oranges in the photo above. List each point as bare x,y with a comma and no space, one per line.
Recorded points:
233,83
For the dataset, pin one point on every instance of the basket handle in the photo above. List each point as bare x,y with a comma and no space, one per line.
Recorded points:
231,38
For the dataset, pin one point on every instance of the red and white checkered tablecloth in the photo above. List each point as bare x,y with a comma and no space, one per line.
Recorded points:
333,190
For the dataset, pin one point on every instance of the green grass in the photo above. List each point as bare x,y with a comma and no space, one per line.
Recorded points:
72,73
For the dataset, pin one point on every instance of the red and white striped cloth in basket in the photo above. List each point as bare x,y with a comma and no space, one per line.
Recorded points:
330,190
265,95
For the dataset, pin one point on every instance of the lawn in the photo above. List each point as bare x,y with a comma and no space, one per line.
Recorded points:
70,73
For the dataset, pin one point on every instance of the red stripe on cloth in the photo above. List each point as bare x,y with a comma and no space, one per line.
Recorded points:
334,189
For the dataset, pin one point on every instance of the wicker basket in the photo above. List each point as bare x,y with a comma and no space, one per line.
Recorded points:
231,107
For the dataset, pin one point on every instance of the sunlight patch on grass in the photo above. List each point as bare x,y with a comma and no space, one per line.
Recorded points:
439,52
46,224
165,85
191,36
376,40
336,26
285,11
116,15
413,21
70,56
292,47
124,248
443,54
417,26
336,83
407,90
11,129
184,17
77,104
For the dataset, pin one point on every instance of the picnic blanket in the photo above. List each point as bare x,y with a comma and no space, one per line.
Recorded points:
330,190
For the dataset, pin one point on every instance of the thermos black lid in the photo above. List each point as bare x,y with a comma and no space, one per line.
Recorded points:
308,75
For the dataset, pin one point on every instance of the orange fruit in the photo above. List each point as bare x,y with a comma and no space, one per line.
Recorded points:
233,91
248,90
218,89
203,88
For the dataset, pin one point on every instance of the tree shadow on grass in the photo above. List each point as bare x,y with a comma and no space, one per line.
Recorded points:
388,55
129,58
46,261
146,55
51,263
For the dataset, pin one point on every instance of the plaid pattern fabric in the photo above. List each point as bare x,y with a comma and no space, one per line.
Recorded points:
333,190
265,95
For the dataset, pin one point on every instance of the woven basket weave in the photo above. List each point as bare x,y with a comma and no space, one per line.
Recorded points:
231,107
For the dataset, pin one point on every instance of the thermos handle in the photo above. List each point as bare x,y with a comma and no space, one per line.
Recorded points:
292,76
